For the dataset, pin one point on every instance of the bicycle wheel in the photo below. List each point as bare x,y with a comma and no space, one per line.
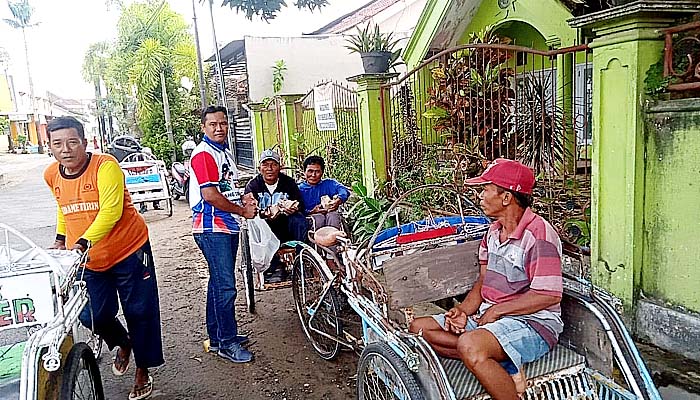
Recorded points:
382,374
247,271
81,375
307,286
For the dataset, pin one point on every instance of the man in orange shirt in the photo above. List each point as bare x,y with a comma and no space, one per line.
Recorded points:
95,214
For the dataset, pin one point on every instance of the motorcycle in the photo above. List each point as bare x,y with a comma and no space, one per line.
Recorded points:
180,173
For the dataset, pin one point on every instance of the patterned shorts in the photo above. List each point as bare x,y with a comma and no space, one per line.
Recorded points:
519,340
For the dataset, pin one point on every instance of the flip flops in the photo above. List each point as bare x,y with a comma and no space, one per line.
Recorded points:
116,371
143,392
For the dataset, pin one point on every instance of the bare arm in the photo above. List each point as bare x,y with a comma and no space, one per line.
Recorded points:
528,303
212,196
471,303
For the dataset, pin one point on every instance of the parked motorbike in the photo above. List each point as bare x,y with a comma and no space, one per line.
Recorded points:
180,173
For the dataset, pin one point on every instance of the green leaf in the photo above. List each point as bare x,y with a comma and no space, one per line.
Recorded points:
436,113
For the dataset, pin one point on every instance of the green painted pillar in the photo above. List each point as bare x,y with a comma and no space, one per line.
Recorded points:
627,41
258,131
375,144
289,128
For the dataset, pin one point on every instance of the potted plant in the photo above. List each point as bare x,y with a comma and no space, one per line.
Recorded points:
376,49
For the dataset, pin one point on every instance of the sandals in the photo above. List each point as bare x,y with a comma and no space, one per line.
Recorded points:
121,361
143,392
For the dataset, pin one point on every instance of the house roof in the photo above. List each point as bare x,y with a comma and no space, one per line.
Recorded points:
356,17
442,24
232,52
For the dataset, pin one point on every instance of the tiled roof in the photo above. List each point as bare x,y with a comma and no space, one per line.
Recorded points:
354,18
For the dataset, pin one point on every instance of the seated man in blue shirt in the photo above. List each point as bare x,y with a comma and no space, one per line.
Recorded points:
324,210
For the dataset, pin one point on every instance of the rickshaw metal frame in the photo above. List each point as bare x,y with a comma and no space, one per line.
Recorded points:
66,316
376,325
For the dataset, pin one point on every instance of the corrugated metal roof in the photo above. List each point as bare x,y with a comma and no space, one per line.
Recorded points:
354,18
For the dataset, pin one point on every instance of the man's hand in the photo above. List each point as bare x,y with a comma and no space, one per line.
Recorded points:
455,321
248,198
491,315
248,210
58,245
318,210
334,204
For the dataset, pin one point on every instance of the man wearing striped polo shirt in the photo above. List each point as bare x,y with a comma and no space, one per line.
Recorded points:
512,315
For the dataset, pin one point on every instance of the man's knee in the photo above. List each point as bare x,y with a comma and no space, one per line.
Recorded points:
423,324
333,219
471,350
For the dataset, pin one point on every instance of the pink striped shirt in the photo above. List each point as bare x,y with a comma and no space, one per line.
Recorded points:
529,260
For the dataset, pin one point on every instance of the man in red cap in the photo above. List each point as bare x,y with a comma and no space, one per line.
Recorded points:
512,315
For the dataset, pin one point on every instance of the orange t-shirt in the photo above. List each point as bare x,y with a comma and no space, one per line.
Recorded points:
98,210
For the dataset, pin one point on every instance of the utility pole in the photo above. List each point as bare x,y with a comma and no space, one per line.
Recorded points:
200,69
219,69
166,111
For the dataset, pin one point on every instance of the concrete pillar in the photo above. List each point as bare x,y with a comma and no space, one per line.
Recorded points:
627,41
375,140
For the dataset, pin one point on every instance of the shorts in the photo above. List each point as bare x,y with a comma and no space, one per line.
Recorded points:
519,340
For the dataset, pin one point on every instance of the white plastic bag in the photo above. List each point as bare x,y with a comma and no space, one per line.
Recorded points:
263,243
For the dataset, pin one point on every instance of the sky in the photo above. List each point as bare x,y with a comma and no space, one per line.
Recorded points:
68,27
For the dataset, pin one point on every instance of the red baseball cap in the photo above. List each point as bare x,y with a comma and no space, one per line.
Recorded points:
508,174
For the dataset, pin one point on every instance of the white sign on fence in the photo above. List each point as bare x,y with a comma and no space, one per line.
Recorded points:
323,107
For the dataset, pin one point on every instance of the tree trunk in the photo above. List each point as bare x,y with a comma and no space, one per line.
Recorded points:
166,111
100,115
35,118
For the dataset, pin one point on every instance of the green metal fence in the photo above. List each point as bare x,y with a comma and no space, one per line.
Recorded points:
338,142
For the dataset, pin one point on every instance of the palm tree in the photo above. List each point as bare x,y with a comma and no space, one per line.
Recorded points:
22,13
95,66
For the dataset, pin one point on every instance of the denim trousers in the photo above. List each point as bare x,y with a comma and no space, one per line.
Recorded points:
220,251
132,282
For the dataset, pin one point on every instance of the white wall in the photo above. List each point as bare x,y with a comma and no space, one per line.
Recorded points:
309,59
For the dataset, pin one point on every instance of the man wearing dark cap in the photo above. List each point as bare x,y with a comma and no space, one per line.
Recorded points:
512,315
280,202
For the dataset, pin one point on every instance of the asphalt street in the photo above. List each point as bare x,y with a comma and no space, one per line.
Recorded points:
26,203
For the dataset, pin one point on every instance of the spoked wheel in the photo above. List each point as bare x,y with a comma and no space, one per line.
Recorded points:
307,287
382,374
247,271
81,376
84,335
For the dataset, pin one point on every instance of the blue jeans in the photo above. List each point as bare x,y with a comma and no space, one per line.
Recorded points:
220,250
132,282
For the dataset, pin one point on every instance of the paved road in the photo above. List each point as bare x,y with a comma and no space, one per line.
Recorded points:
26,203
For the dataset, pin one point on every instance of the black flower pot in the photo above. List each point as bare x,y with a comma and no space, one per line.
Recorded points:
376,62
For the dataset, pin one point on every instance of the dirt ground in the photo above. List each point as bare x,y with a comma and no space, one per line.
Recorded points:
285,365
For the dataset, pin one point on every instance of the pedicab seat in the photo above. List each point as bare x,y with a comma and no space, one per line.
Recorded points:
560,360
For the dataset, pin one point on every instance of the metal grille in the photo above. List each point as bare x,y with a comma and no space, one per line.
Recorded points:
340,147
682,57
474,103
